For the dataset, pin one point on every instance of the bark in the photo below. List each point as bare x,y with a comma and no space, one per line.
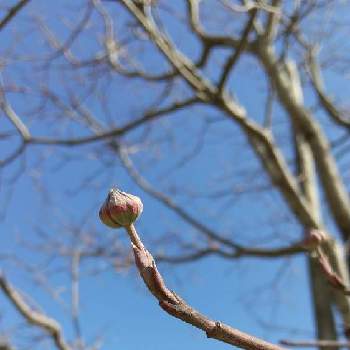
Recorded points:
175,306
321,291
332,183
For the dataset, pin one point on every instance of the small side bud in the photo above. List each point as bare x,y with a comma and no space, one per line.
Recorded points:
313,238
120,209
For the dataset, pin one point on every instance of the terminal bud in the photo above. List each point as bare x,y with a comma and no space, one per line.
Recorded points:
120,209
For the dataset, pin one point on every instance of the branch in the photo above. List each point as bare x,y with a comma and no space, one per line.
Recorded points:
261,140
12,13
333,278
207,39
282,78
248,6
75,295
239,252
233,59
12,116
4,345
178,308
112,48
332,268
178,60
147,187
333,185
160,77
16,121
14,155
168,202
100,136
315,343
64,48
49,325
321,292
272,160
273,20
326,102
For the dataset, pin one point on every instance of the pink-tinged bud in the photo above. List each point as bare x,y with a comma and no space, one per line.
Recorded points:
120,209
331,276
313,238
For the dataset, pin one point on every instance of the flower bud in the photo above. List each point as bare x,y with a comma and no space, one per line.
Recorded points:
313,238
120,209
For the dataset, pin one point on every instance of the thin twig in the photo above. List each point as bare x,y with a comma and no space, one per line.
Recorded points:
175,306
12,12
315,343
233,59
103,135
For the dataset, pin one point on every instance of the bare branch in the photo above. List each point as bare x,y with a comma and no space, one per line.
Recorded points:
102,136
315,343
260,139
326,102
273,20
208,40
238,250
177,59
248,6
331,179
241,252
75,273
64,48
233,59
12,12
12,116
333,278
47,324
273,161
14,155
5,346
168,201
177,307
322,302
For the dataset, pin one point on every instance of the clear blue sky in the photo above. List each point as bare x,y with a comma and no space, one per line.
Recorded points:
269,299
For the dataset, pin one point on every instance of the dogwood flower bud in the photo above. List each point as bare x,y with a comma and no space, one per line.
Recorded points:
120,209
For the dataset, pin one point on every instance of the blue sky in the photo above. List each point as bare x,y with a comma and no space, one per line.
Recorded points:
268,298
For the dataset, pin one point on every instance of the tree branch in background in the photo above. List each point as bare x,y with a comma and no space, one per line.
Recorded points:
12,12
316,78
5,346
240,252
260,139
177,59
315,343
273,20
322,302
332,181
84,99
38,319
233,59
208,41
102,135
13,117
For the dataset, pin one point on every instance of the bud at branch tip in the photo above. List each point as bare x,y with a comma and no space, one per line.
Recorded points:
120,209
